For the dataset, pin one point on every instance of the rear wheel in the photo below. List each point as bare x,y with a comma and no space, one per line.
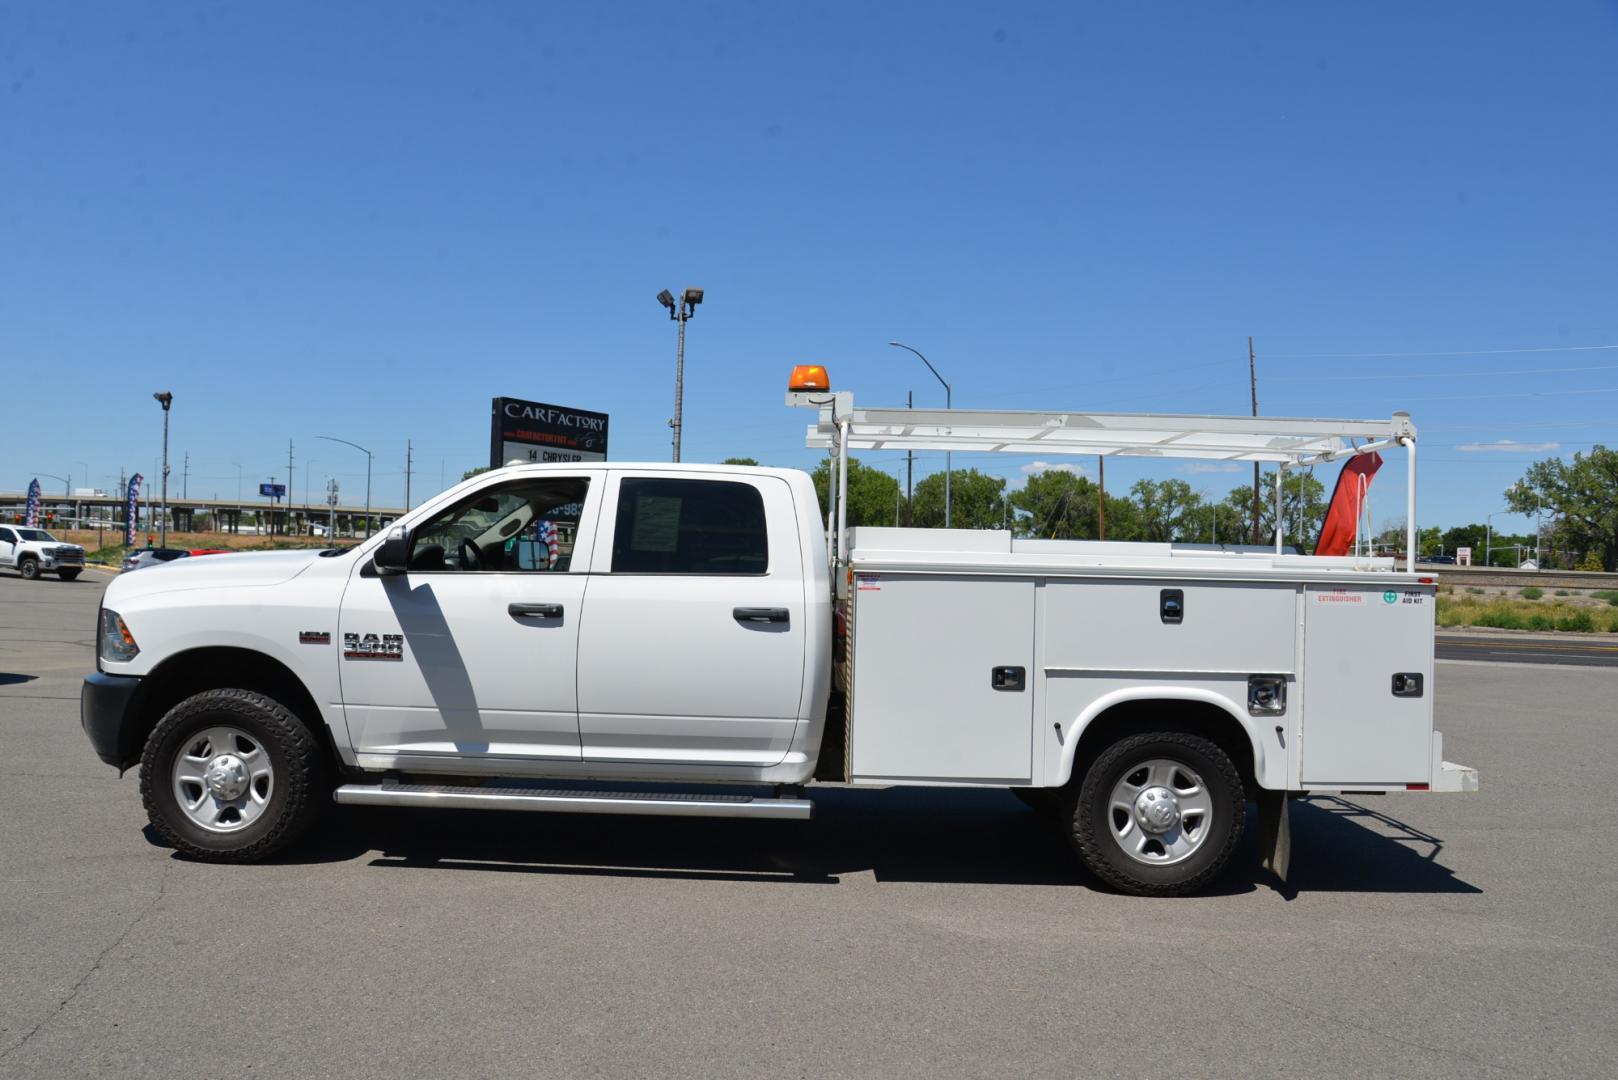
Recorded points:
1159,814
29,569
68,575
231,776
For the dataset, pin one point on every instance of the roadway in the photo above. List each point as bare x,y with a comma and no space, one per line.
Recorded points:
904,933
1581,651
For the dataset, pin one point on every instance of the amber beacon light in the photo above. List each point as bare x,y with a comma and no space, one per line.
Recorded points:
809,377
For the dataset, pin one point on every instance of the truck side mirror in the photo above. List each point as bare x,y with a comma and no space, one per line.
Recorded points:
393,557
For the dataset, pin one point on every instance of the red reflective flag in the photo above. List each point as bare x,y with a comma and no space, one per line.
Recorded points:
1347,499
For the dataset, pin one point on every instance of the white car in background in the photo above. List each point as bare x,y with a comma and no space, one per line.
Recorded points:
32,552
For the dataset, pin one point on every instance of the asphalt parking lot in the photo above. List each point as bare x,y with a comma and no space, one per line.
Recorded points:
906,933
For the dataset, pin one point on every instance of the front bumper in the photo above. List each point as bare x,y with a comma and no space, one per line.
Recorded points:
107,713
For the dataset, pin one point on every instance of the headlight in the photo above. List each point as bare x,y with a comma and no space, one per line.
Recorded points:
117,643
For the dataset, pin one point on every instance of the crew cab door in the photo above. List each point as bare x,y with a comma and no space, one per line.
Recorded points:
694,648
8,546
473,651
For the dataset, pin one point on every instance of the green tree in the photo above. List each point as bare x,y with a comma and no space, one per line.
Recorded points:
468,474
1215,523
1583,493
1303,496
1429,541
1060,505
873,495
977,501
1167,509
739,461
1460,536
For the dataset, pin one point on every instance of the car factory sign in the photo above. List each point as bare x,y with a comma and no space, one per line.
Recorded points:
531,431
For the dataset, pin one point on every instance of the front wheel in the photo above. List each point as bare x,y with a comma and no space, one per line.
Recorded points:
68,575
231,776
1159,814
29,569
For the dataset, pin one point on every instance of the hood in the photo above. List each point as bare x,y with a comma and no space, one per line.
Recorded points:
231,571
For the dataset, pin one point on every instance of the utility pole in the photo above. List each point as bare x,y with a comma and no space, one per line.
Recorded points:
407,474
287,524
910,464
1252,386
185,477
1101,498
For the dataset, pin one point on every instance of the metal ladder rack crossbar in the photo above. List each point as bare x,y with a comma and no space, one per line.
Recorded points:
1287,442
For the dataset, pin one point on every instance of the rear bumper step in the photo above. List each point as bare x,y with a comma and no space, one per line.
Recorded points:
568,801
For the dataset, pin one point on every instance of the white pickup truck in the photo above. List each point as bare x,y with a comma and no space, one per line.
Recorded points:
32,552
570,637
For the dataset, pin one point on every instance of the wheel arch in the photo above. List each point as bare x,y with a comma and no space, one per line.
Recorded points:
216,667
1158,708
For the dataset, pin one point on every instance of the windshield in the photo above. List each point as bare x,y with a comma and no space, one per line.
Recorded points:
36,534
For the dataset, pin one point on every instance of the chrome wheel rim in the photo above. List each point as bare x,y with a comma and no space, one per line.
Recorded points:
223,779
1160,812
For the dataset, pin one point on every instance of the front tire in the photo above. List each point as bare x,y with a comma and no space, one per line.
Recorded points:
231,776
1159,814
29,569
67,575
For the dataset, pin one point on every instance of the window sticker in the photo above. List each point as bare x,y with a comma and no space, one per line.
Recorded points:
657,523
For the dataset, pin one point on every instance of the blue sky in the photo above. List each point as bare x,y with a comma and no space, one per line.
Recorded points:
367,220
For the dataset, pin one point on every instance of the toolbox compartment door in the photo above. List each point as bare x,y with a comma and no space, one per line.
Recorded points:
929,652
1356,730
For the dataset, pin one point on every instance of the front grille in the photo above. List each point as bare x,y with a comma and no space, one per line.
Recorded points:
69,555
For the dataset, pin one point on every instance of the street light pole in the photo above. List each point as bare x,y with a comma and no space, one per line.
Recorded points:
1488,532
367,453
947,405
165,399
687,307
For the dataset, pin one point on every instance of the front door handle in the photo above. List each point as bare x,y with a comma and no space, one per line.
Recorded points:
762,614
535,611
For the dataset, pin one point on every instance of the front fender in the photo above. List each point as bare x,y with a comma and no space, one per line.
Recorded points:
1269,766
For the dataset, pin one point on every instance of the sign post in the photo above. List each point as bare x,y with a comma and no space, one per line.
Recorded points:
531,431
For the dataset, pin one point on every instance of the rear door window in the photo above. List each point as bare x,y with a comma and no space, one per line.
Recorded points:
689,527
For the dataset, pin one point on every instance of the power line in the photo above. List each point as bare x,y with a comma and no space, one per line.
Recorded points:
1447,374
1449,352
1522,394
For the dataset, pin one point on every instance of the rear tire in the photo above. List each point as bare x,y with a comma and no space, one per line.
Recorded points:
231,776
67,575
29,569
1159,814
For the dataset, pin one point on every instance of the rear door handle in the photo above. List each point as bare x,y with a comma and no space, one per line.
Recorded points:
762,614
535,611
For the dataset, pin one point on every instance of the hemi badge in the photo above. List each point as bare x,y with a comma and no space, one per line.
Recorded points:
314,637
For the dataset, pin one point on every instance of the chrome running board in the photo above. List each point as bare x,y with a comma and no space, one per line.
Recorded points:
569,801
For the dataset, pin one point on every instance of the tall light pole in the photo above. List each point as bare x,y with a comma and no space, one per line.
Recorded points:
165,399
1488,532
687,307
367,453
947,404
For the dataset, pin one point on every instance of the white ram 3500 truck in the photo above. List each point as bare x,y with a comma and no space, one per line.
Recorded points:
570,637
